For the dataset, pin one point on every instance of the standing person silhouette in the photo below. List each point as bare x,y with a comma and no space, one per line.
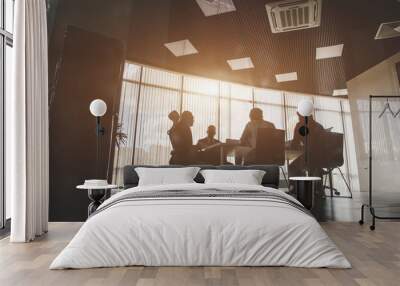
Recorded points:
174,117
184,152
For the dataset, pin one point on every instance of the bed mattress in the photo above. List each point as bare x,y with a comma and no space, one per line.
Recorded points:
201,225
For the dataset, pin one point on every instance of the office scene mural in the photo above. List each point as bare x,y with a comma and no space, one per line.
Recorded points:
180,87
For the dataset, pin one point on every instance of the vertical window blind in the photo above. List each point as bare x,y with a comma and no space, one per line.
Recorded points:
201,97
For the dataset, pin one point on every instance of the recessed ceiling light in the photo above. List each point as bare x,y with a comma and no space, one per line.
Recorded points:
216,7
240,64
286,77
340,92
181,48
388,30
329,52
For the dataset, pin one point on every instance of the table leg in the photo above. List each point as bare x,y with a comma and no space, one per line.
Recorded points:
305,192
96,197
107,195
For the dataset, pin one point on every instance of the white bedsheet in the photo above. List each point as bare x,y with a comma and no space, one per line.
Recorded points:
211,231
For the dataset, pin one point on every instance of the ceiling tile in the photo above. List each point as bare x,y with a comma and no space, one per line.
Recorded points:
286,77
329,52
240,64
388,30
181,48
340,92
216,7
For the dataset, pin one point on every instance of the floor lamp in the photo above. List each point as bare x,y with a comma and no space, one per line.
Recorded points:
306,186
98,108
305,108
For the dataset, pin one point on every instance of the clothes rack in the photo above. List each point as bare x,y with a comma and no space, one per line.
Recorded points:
370,204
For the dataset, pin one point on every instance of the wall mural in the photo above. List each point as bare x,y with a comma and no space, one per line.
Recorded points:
160,117
190,109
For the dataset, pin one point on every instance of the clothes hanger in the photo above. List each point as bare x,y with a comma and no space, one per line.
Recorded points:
397,113
387,107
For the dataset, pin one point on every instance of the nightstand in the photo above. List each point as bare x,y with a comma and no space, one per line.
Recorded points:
97,195
305,187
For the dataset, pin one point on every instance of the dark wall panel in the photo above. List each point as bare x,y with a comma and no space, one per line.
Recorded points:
91,68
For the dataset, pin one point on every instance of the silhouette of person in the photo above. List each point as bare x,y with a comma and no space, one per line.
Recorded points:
298,166
174,117
314,129
211,156
248,140
184,152
209,140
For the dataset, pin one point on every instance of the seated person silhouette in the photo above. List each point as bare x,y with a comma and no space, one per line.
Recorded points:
209,140
183,153
298,166
211,156
248,140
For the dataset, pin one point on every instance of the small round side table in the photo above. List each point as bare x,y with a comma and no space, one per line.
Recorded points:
304,188
97,195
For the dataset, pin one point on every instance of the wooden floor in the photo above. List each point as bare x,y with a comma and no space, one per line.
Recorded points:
375,257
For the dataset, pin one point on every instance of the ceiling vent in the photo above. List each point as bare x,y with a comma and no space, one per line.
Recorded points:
291,15
388,30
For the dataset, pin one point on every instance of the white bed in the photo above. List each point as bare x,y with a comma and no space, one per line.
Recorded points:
184,230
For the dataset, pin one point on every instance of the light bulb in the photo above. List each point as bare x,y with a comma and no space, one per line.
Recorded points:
98,107
305,108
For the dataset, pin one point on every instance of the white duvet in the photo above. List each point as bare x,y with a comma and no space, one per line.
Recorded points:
193,231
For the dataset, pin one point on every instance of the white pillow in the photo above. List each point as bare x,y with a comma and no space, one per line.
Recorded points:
166,176
248,177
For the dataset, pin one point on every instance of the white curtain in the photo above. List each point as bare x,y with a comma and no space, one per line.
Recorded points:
27,124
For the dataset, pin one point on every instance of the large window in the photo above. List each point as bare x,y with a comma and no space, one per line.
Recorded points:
6,43
149,94
201,97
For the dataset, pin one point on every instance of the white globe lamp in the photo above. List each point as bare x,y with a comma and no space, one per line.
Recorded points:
305,108
98,108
